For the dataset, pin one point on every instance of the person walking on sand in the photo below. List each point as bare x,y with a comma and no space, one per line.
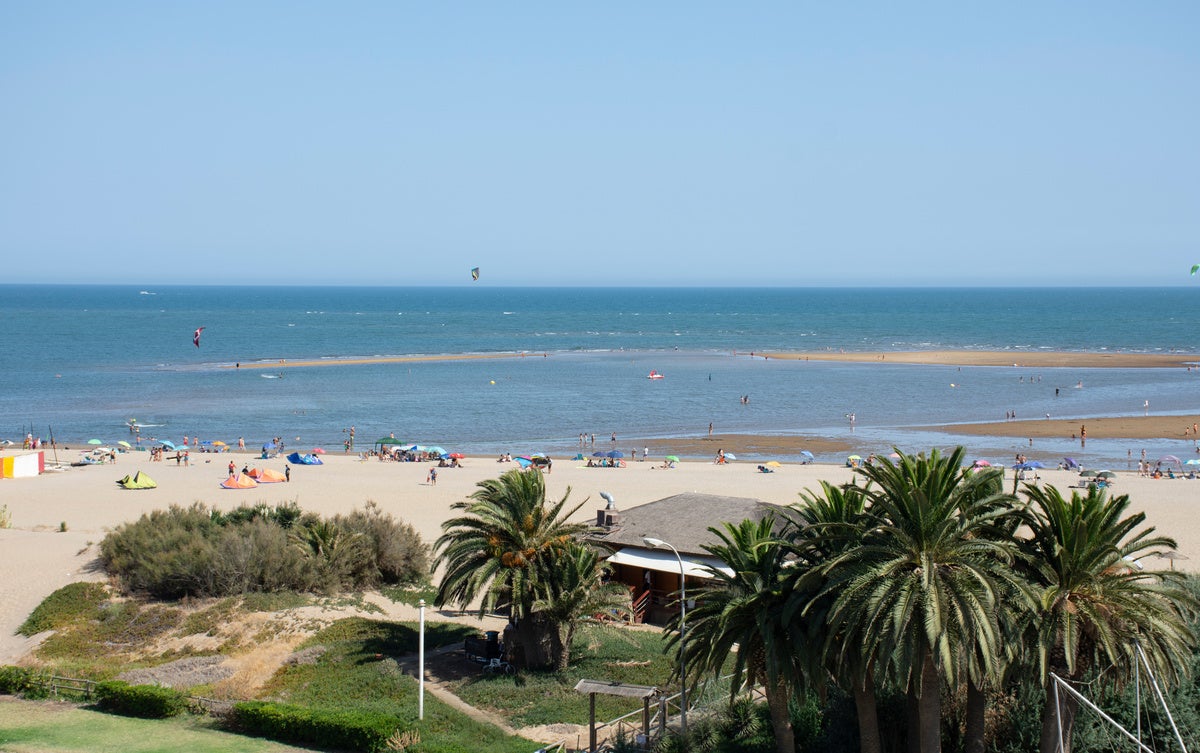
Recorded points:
710,429
431,479
287,472
231,469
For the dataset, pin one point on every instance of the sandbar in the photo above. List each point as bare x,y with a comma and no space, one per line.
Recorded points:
284,363
1037,359
1118,427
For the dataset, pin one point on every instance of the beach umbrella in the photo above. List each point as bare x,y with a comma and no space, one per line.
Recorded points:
980,464
436,450
1193,461
171,445
219,443
771,463
672,458
94,441
124,444
1106,474
456,456
1070,463
598,454
1163,459
619,454
807,454
1086,472
318,451
730,456
1034,464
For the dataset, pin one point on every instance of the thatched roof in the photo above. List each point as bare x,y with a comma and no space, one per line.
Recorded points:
682,519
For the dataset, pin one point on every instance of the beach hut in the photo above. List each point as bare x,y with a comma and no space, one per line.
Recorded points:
23,466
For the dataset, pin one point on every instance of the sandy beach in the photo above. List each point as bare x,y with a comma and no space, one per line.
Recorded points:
89,503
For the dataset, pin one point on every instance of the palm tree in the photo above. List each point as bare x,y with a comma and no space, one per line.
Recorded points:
824,526
926,577
577,589
1096,603
742,615
502,550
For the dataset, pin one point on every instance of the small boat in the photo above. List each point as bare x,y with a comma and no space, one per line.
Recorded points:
654,375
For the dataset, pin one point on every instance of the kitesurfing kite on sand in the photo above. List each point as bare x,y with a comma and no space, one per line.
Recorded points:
196,336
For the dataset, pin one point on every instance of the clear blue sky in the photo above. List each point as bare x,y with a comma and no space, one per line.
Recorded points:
690,143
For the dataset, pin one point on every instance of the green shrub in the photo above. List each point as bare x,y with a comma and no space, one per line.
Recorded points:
196,551
14,680
64,606
145,701
346,730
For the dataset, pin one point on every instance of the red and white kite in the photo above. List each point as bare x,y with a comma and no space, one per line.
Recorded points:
196,337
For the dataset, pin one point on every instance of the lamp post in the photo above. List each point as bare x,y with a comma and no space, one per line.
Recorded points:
654,543
421,663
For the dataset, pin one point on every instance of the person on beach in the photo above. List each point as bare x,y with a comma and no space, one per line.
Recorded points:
614,436
431,479
720,459
645,453
186,458
241,443
710,429
231,469
287,472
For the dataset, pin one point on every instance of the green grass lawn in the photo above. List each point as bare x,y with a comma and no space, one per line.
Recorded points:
52,727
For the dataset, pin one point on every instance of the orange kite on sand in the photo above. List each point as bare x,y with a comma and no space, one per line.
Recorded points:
240,481
266,476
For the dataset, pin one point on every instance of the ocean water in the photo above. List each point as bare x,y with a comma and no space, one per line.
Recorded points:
83,360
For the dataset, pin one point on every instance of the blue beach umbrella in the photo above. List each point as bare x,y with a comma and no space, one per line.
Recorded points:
614,454
168,444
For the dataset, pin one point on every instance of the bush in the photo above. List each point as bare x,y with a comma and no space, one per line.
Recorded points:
145,701
14,680
63,607
195,551
347,730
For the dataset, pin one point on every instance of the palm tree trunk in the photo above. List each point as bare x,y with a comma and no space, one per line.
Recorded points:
1050,720
912,719
930,707
868,715
781,720
976,719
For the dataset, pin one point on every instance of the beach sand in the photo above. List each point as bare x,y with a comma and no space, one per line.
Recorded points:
38,559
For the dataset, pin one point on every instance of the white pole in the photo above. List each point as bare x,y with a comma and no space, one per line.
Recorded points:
421,663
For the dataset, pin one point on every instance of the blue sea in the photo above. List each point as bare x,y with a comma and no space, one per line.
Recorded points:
84,360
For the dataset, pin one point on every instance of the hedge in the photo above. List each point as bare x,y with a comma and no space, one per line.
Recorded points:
347,730
146,701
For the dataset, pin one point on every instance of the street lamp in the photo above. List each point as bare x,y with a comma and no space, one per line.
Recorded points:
654,543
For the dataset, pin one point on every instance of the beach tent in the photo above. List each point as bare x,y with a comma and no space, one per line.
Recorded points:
240,481
23,466
138,480
299,459
268,476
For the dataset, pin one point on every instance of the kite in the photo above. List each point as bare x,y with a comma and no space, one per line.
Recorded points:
196,337
475,273
1194,268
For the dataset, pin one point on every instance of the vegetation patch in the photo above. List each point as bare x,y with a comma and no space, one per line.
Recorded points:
203,552
532,698
144,701
65,606
342,730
